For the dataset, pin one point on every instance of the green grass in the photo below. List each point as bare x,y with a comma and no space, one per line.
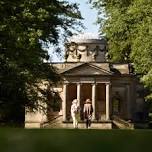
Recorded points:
70,140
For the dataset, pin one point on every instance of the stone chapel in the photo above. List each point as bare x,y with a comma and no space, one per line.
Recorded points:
86,72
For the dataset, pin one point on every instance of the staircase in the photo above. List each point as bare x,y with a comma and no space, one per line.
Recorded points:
121,123
117,122
56,122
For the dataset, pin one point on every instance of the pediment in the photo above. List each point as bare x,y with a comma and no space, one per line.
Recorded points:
86,69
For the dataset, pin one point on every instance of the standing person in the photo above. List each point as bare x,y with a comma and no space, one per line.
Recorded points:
88,110
75,112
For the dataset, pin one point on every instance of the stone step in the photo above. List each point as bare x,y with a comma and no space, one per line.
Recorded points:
58,123
121,123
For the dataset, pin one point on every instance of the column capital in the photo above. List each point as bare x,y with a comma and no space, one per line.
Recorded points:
94,83
78,83
66,83
108,83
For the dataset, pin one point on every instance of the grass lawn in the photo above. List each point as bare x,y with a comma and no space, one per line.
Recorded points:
70,140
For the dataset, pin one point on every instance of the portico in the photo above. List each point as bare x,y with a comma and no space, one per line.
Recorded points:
98,92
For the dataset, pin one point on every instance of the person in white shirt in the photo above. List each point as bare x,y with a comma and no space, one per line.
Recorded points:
75,112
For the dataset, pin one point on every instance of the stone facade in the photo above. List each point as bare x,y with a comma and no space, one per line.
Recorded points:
87,74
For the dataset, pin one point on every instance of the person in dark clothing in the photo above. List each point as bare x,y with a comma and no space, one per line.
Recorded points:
88,110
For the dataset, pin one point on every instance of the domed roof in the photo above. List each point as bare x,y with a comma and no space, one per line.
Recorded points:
87,47
87,38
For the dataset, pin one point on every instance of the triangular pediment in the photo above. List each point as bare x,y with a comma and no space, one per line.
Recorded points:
86,69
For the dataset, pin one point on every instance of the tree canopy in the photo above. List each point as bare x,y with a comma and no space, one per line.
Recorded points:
127,27
26,27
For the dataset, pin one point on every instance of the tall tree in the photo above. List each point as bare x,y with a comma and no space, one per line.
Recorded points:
26,27
127,26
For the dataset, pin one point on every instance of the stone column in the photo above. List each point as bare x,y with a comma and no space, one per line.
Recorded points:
79,93
128,101
107,100
64,101
94,101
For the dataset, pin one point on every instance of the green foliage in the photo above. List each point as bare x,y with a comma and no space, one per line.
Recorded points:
54,100
127,26
26,27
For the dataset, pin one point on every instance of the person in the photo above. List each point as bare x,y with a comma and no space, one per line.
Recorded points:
75,112
88,110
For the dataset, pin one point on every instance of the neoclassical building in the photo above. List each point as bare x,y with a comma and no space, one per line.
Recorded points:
86,73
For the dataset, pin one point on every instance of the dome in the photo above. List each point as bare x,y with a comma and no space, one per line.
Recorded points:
87,38
87,47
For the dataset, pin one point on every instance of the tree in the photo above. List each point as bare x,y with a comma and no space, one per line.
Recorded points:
127,27
26,27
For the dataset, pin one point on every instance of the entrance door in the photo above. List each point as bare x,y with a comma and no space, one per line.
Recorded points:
86,93
71,95
100,101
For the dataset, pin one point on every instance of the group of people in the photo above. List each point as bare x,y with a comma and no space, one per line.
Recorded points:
87,112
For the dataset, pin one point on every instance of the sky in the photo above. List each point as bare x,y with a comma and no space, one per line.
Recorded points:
90,16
